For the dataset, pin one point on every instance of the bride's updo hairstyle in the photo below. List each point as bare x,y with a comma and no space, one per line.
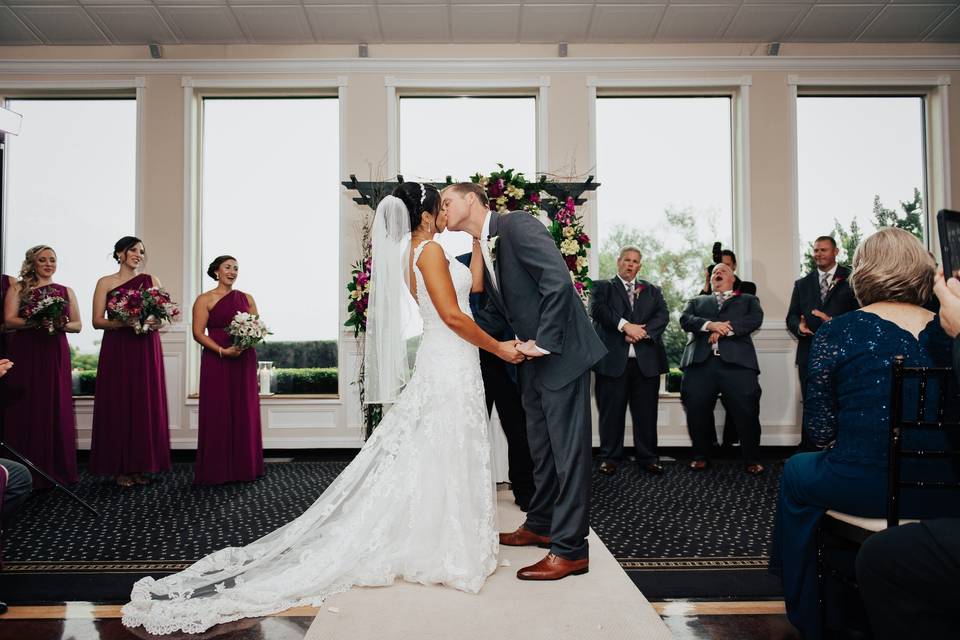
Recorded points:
215,265
419,199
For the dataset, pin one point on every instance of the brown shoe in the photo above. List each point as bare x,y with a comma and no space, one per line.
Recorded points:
755,469
523,537
554,567
607,467
698,465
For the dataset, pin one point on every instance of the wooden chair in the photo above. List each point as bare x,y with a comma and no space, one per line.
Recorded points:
844,531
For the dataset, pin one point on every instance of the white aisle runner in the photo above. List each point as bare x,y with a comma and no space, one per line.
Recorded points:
602,604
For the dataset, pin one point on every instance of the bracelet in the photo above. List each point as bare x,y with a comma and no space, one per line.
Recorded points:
220,351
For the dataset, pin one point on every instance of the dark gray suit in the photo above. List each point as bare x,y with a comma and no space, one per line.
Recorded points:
535,299
622,380
733,373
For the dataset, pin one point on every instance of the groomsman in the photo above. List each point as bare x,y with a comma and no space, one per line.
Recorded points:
500,388
630,316
817,297
720,359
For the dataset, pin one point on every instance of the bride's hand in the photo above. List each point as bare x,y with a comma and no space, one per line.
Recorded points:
507,351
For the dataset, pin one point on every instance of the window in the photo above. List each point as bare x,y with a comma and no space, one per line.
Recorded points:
71,174
462,136
270,196
665,173
860,166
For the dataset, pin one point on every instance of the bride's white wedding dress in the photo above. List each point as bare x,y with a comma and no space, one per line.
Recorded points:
417,503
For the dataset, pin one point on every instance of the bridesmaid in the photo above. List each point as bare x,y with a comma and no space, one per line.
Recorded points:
38,416
131,436
229,445
5,283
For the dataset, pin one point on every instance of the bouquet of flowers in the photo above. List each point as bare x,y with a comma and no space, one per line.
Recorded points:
45,306
137,307
247,329
566,227
509,190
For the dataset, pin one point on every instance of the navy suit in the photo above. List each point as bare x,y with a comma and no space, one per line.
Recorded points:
500,388
733,372
622,380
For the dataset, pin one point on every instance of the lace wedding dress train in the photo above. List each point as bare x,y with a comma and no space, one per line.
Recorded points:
418,503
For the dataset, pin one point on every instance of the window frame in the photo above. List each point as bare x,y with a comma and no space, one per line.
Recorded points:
194,93
738,90
936,144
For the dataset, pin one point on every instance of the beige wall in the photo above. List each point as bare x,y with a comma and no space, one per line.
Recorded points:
770,256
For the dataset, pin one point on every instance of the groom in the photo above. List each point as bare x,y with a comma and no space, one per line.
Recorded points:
531,295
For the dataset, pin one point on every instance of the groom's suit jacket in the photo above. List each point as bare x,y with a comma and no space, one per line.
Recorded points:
745,316
535,299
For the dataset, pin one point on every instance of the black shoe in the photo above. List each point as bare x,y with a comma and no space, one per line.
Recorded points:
653,467
3,608
608,468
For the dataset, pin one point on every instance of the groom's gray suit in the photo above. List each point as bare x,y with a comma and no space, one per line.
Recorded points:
535,299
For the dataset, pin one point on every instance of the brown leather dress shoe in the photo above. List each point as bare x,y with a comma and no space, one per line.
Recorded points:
698,465
755,469
523,537
654,467
554,567
608,467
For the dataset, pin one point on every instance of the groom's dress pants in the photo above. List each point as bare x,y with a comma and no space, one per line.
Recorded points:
558,430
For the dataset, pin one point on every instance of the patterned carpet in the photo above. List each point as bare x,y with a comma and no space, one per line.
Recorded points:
660,528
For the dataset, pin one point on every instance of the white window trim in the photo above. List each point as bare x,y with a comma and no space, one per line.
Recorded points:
936,138
193,92
539,87
735,87
139,84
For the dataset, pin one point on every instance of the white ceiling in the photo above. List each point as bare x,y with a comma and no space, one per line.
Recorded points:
101,22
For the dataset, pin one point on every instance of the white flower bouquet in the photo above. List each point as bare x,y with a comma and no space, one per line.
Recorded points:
247,329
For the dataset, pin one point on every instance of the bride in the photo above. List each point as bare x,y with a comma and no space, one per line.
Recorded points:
418,501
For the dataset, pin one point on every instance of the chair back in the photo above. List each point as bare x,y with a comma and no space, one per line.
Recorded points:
900,424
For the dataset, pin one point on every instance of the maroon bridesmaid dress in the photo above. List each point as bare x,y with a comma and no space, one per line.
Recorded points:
4,285
229,444
131,432
38,411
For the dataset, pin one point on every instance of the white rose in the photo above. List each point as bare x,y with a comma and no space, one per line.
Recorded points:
568,232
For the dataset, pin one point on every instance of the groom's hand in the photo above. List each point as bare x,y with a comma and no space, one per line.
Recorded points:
507,351
529,349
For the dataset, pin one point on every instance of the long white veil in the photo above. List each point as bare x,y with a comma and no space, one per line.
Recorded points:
393,317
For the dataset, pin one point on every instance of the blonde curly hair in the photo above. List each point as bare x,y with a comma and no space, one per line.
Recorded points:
28,270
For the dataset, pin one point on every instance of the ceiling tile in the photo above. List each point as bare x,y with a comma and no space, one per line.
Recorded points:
203,25
948,30
61,25
13,31
904,22
273,24
764,22
485,22
132,24
833,23
555,23
695,23
344,23
625,22
414,23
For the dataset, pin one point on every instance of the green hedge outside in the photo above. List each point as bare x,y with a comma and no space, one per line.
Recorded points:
289,381
299,355
311,380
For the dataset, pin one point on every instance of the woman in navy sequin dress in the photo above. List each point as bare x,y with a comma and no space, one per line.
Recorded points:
847,413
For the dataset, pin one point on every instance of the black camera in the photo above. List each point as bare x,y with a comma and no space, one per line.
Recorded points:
717,253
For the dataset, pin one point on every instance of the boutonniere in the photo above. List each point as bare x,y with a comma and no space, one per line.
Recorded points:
492,248
736,293
837,279
639,287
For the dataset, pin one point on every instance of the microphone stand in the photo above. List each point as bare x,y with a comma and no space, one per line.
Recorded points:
19,456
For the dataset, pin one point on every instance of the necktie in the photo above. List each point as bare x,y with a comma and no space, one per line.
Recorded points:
631,293
824,286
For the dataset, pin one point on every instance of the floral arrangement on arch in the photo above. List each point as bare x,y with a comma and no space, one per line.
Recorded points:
359,294
509,190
